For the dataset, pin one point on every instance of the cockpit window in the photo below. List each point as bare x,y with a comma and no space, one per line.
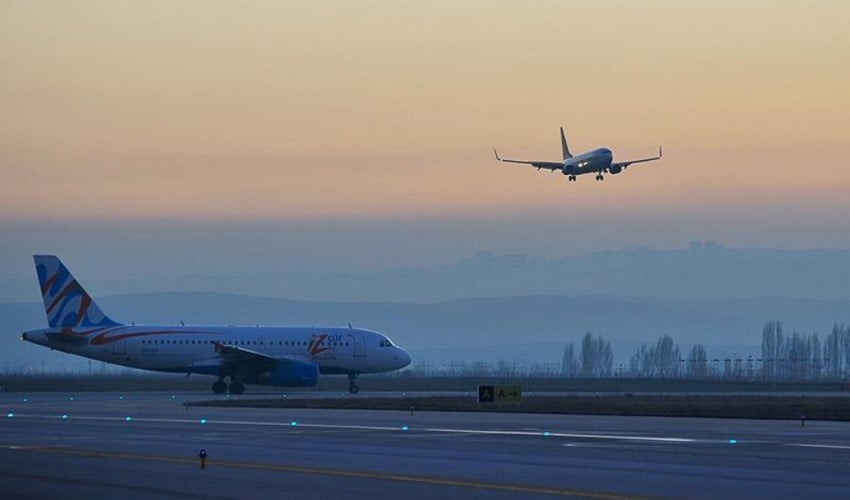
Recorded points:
386,343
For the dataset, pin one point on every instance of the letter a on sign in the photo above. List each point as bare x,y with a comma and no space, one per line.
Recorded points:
485,394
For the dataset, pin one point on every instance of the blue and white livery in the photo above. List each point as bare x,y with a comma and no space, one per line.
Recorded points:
279,356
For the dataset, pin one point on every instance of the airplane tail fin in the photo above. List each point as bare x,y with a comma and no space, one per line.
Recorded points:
564,148
66,303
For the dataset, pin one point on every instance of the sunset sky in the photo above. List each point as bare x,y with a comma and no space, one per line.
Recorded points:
324,111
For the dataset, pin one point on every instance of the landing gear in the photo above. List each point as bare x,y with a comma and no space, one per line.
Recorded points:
237,387
219,387
352,383
599,177
571,178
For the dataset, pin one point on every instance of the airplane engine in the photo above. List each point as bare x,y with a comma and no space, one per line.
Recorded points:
293,374
615,170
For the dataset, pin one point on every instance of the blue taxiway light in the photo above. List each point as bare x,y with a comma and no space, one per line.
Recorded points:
25,400
404,427
65,416
127,419
121,397
172,397
733,441
293,423
71,398
10,415
546,433
203,420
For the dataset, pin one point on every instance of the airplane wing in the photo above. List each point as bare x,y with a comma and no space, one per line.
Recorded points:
232,356
624,164
548,165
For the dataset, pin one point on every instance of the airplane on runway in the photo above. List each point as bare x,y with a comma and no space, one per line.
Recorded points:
278,356
598,161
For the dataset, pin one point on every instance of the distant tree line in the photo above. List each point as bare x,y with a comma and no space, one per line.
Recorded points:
804,357
794,357
784,357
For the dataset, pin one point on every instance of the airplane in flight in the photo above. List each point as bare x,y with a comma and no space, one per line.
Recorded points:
262,355
598,161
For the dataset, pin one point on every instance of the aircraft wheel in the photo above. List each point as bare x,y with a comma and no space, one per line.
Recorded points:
352,383
219,387
237,388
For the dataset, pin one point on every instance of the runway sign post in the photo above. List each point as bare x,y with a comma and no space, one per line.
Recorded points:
499,394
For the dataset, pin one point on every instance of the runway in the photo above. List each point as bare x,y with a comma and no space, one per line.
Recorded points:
146,445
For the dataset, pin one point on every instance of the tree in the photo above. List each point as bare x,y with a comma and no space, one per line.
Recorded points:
666,357
697,362
660,360
773,350
833,351
597,356
569,364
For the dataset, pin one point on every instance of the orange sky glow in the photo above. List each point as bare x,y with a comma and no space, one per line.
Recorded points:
306,110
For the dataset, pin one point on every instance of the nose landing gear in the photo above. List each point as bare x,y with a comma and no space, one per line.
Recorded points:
352,383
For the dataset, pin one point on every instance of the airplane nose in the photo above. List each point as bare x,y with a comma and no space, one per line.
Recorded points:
404,358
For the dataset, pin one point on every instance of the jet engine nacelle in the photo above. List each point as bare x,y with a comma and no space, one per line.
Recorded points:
615,169
291,374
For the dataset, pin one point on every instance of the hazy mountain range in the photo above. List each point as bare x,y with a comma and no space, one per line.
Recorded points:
704,271
522,308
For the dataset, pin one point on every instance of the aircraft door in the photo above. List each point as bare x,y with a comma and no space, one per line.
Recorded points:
359,345
119,348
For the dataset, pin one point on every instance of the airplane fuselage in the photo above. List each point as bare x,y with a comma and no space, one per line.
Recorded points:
191,349
598,160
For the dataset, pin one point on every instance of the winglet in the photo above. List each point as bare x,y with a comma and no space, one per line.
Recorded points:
497,154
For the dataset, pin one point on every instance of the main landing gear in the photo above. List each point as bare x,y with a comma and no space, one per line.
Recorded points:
571,178
219,387
236,387
599,177
352,383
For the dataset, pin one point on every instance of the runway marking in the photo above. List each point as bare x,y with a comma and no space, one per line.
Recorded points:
827,446
300,469
618,437
289,424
